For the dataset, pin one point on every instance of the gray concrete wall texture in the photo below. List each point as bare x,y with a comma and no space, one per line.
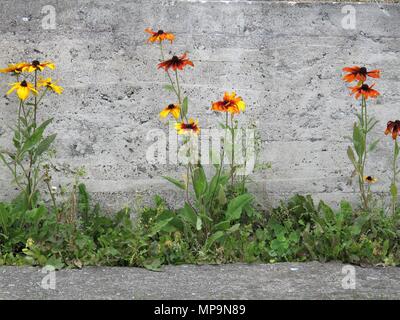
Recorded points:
283,58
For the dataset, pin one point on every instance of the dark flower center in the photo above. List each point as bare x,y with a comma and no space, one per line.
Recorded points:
171,106
175,59
35,63
23,83
365,87
369,178
160,32
363,70
190,126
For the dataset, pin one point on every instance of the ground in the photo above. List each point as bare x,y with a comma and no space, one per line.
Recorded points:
239,281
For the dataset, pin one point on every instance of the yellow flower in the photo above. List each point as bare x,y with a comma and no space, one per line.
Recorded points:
23,88
29,243
370,179
36,65
14,68
173,109
191,127
48,83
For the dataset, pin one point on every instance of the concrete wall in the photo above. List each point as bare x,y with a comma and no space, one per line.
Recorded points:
283,58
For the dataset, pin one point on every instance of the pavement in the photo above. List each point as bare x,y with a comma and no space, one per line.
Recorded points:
236,281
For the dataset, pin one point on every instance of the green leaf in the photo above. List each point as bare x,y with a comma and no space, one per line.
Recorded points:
371,124
373,145
393,190
159,226
234,228
222,226
185,105
4,218
199,223
36,137
199,181
188,215
83,202
358,141
169,87
221,197
153,265
215,236
351,156
44,124
177,183
235,206
45,144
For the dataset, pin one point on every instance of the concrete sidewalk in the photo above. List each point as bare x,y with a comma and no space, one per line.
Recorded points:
239,281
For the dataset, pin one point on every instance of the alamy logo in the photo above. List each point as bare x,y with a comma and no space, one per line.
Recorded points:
349,20
207,148
49,280
349,280
49,20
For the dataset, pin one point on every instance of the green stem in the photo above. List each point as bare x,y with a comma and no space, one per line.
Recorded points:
233,150
169,76
394,194
177,84
363,158
53,199
35,106
221,161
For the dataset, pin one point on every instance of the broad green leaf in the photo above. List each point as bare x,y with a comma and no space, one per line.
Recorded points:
189,215
199,181
222,226
358,141
177,183
234,228
236,205
153,265
221,197
215,236
199,223
45,144
350,154
36,137
159,226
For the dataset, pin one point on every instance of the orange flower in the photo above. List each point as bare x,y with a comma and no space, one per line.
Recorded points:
175,63
191,127
359,73
393,127
230,103
160,35
173,109
15,68
364,90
